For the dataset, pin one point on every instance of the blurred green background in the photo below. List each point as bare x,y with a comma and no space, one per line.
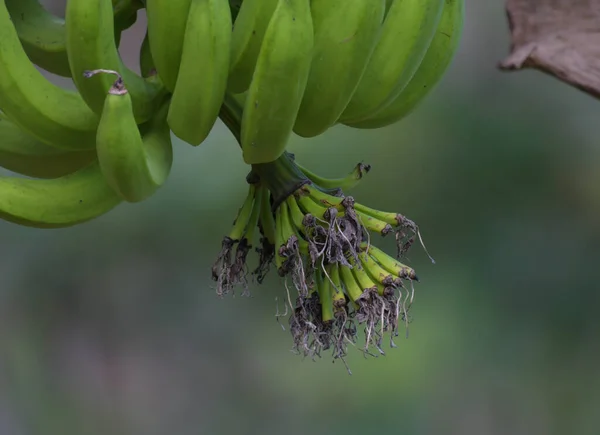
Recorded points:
114,327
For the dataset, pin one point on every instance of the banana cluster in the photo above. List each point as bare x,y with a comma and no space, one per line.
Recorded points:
267,69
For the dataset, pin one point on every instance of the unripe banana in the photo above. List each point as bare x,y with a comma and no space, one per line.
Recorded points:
407,31
435,63
54,115
91,45
61,202
202,77
278,83
248,33
135,163
346,32
166,26
24,154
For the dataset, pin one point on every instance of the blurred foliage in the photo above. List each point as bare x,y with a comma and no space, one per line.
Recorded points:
114,327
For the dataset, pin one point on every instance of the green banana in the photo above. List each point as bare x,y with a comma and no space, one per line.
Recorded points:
166,26
248,33
43,34
135,162
346,32
407,32
278,83
146,61
202,78
54,115
91,45
430,72
61,202
23,154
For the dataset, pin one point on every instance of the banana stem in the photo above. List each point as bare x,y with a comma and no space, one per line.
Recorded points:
118,87
283,176
231,115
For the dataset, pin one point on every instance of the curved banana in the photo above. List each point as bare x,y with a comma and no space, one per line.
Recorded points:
22,153
248,33
346,33
407,31
166,26
278,83
54,115
91,45
202,77
430,72
61,202
135,162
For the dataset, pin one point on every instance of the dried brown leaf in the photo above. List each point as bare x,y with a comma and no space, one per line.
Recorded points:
559,37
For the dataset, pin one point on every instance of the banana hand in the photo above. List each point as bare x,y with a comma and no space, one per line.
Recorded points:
202,77
278,83
135,163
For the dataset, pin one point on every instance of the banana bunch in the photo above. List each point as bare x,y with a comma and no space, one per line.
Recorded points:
267,69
